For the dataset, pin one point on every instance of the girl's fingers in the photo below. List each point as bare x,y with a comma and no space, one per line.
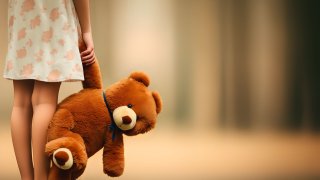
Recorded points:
94,60
89,56
83,53
87,59
86,62
86,52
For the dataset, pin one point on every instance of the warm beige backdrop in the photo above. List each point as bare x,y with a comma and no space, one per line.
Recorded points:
223,70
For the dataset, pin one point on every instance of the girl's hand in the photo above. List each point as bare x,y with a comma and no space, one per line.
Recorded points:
88,56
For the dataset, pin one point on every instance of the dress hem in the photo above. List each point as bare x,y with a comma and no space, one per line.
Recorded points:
43,80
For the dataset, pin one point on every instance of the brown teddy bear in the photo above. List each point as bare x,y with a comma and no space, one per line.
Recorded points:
93,119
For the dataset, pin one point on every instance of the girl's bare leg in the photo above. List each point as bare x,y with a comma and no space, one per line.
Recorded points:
44,102
21,120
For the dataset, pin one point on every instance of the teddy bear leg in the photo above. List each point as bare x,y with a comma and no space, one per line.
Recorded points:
76,174
57,173
63,160
67,152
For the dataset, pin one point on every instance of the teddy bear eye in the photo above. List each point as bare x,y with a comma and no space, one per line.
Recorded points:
129,105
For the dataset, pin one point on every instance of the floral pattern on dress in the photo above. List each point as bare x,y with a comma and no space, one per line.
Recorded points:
43,43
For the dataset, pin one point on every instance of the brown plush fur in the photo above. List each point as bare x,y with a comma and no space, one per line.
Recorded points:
81,122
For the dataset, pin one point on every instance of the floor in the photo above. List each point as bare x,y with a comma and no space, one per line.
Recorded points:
188,154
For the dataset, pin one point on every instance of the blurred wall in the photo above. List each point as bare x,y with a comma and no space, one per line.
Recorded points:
253,63
137,35
6,86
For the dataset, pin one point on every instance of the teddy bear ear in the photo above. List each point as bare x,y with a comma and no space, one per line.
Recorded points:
140,77
158,100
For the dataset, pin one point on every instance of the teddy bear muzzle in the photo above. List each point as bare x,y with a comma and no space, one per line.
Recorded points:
125,118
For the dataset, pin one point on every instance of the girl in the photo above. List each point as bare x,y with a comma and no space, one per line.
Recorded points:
42,53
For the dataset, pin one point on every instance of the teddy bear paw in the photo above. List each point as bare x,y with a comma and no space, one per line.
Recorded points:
62,158
113,172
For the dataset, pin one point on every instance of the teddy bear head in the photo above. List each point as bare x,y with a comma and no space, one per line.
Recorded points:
134,107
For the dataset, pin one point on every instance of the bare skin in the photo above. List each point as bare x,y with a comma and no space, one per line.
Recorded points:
34,105
21,118
44,102
83,12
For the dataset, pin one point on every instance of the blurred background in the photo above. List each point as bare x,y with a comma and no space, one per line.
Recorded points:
239,79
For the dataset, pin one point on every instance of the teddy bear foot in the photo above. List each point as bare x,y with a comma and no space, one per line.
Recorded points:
62,158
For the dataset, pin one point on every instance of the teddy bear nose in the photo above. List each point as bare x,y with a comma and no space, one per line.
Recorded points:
126,120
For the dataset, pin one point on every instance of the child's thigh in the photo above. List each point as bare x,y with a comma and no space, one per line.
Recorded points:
45,92
23,90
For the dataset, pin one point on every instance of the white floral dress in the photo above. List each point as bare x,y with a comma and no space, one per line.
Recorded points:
43,41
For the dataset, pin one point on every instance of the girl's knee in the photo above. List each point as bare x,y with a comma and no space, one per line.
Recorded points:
22,102
38,100
22,93
34,100
45,93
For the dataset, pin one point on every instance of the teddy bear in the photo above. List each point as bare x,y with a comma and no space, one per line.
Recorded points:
94,118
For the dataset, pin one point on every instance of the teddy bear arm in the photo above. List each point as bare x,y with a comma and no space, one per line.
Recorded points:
92,76
113,156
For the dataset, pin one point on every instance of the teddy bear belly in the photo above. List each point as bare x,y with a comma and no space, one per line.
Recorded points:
92,135
89,116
